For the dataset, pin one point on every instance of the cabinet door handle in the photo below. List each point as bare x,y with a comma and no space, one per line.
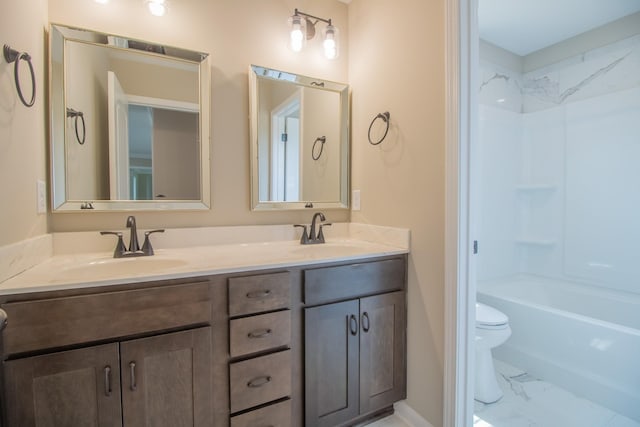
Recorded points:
259,333
107,380
353,324
366,324
259,381
259,294
132,376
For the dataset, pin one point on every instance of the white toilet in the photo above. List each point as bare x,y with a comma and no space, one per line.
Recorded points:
492,329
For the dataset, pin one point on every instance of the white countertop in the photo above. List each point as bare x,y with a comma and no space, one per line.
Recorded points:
73,270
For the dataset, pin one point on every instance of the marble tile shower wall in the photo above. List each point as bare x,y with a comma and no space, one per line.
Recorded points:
554,182
594,73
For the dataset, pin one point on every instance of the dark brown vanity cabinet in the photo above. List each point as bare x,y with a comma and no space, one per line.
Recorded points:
260,369
320,345
355,362
163,379
164,383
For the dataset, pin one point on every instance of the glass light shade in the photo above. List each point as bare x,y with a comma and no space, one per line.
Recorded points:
330,42
157,7
298,32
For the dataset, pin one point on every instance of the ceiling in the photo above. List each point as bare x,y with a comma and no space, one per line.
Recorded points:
525,26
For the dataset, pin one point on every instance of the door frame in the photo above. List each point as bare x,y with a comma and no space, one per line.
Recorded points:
461,75
278,117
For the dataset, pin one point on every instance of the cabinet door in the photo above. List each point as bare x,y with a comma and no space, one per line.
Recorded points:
331,363
166,380
79,388
382,351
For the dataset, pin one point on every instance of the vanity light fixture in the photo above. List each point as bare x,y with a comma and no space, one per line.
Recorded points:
303,28
157,7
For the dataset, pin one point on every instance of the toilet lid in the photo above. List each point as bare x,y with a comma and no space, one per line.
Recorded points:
489,316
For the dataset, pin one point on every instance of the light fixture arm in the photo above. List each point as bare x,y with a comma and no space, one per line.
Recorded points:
306,15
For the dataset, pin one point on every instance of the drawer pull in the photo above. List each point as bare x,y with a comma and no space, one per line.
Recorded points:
132,375
259,381
259,333
365,325
107,381
259,294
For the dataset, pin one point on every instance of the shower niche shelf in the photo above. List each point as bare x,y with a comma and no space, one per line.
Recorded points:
532,241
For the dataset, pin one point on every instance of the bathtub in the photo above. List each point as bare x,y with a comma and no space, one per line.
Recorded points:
582,338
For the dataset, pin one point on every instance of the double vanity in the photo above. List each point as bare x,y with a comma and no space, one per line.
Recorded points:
247,326
237,334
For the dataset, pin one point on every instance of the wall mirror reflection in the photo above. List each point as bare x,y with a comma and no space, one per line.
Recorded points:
129,123
299,141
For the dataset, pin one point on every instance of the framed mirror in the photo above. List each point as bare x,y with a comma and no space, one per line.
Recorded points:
129,123
299,141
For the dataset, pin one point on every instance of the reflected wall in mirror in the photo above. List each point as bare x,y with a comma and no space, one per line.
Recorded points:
129,123
299,141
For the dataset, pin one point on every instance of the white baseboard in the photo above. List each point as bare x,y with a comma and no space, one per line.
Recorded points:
409,416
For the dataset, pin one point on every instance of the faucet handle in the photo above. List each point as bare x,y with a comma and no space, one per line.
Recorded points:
305,236
120,248
320,233
147,249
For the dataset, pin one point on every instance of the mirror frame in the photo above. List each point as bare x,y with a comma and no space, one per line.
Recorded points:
58,35
256,73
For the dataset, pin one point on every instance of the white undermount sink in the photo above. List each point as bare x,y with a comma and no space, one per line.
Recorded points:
107,267
337,249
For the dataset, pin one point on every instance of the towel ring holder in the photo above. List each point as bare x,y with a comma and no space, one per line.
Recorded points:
322,140
73,113
12,55
385,118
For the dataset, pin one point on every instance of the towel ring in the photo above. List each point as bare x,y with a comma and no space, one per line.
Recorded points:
385,117
73,113
11,55
322,140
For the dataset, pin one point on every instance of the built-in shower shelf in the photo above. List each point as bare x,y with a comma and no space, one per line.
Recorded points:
536,187
535,242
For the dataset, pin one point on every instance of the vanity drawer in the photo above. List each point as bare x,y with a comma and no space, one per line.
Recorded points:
58,322
260,380
257,333
276,415
327,284
254,294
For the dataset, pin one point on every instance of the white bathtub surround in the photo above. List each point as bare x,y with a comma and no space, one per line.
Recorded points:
529,401
20,256
557,191
583,338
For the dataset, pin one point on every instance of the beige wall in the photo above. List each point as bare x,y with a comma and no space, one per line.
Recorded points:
22,129
235,38
397,65
87,80
321,117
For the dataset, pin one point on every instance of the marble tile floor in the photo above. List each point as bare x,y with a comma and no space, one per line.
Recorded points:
529,402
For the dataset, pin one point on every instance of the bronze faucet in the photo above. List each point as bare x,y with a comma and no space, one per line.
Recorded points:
122,251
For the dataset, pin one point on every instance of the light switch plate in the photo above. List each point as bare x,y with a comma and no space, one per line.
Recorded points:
355,200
